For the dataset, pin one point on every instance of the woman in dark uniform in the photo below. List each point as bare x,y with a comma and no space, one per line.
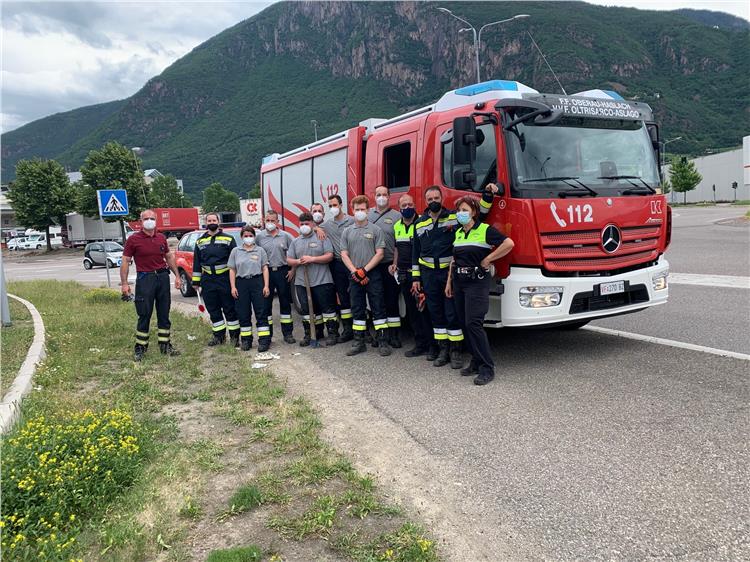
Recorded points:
470,279
248,278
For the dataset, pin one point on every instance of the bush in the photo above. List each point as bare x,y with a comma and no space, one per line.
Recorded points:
57,470
102,295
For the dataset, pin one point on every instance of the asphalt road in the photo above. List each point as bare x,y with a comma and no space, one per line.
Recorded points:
587,445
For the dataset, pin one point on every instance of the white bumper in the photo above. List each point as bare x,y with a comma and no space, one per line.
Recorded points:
513,314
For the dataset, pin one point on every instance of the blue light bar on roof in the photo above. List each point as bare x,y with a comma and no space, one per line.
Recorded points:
488,86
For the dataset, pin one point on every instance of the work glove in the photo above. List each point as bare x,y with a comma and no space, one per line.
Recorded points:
360,276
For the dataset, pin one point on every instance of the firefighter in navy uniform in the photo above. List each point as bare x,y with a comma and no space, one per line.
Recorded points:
432,251
211,278
470,280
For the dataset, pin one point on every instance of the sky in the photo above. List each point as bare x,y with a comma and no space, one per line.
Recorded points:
57,56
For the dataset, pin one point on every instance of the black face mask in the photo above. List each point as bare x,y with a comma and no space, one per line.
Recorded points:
408,212
212,227
435,206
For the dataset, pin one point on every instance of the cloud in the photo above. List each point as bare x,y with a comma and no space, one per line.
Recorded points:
57,56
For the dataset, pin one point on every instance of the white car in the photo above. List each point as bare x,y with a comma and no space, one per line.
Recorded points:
39,241
16,243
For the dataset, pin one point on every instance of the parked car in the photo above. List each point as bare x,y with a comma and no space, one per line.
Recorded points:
39,241
93,254
16,243
184,256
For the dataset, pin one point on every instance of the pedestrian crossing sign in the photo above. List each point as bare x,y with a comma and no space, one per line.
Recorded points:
112,202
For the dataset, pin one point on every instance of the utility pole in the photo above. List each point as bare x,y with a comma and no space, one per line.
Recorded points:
315,128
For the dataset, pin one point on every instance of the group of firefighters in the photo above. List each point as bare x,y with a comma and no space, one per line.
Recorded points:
440,262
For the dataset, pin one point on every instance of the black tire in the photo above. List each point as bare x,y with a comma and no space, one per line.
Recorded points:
87,264
110,264
186,289
574,325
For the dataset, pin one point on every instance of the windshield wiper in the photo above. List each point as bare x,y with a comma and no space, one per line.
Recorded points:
651,190
566,180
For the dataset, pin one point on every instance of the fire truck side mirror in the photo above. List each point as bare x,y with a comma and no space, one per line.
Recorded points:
653,133
464,141
464,178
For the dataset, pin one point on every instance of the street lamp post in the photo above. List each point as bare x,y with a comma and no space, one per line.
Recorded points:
315,128
478,35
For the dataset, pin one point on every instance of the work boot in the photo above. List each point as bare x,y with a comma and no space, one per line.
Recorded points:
369,340
333,333
218,338
264,344
346,333
358,344
484,378
289,338
443,357
140,350
433,352
234,338
394,339
457,360
417,351
167,349
472,369
247,343
320,332
306,338
383,348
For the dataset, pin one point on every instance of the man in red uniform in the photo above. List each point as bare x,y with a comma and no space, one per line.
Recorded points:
153,260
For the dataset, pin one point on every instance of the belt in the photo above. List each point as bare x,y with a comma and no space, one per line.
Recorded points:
472,272
250,276
155,272
279,267
442,262
215,269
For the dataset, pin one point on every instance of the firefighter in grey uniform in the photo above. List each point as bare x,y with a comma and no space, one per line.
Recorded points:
276,243
309,254
211,278
362,247
333,227
384,217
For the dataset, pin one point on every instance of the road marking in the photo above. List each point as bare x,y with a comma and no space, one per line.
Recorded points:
729,281
671,343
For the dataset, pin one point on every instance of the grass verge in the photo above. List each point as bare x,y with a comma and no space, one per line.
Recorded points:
224,454
15,341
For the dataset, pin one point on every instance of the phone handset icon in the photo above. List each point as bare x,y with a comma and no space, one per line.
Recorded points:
553,208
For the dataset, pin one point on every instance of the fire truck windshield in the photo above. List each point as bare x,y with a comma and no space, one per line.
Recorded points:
603,155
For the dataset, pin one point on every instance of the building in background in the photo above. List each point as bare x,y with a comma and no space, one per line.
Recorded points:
721,170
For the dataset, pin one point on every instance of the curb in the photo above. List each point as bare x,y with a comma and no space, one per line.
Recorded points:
10,408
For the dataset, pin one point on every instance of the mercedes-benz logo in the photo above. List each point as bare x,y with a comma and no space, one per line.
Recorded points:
611,238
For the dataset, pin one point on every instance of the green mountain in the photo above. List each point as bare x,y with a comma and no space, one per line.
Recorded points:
254,88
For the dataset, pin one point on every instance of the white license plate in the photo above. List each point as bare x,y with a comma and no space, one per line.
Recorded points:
612,288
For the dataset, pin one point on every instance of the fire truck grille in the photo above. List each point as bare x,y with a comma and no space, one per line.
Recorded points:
588,302
582,250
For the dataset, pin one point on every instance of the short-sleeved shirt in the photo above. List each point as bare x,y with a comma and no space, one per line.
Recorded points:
361,242
385,221
333,229
275,246
149,252
317,273
248,263
470,248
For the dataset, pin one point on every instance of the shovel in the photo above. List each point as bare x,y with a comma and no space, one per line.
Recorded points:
310,309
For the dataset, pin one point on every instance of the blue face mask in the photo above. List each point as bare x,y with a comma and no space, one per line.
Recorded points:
408,212
463,217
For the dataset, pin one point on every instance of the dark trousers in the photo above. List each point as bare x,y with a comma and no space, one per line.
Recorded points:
250,301
152,289
278,285
472,298
419,321
341,278
217,296
360,295
390,296
324,303
445,322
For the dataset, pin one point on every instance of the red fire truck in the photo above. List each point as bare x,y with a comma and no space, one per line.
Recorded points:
579,191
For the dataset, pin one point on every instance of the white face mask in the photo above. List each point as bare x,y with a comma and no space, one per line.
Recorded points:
317,217
305,229
270,227
381,201
360,216
335,211
149,224
249,240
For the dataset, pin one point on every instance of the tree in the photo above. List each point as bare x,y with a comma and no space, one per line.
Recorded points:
114,166
254,192
683,176
666,187
218,199
41,195
166,193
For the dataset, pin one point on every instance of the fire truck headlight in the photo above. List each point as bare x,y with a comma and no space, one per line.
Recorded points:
540,297
659,280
